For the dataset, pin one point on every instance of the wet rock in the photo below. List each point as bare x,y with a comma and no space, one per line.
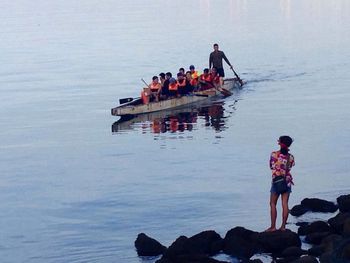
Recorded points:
344,203
316,251
298,210
346,227
239,242
189,259
317,226
293,252
302,223
204,243
319,205
330,242
147,246
316,238
337,222
277,241
306,259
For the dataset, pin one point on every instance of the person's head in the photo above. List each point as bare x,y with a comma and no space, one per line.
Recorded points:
168,75
182,71
155,79
192,68
206,71
216,47
214,71
285,142
188,75
172,80
162,76
180,76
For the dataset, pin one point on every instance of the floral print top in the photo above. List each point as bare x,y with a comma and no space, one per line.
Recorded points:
278,163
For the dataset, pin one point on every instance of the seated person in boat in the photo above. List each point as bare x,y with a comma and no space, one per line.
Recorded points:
162,78
205,80
173,88
182,84
217,80
194,73
192,83
151,92
182,71
164,93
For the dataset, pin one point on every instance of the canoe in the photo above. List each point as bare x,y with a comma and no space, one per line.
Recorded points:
136,107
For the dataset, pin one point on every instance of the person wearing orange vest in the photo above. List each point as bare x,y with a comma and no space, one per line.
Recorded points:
194,73
217,80
191,83
173,87
205,80
182,84
152,91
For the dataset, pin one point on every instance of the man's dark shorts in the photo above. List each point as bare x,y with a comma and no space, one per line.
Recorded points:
221,72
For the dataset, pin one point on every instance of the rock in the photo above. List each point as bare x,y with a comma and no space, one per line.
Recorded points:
316,251
302,223
204,243
345,252
298,210
189,259
326,258
239,242
330,242
344,203
337,222
316,238
293,252
146,246
346,227
306,259
277,241
317,226
319,205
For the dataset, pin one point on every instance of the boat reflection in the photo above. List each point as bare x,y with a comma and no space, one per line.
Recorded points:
180,120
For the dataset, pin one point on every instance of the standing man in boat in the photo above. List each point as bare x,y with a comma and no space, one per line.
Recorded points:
215,60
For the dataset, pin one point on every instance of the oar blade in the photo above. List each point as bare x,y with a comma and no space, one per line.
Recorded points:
125,100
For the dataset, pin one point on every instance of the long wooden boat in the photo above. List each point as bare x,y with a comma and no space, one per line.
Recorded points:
136,107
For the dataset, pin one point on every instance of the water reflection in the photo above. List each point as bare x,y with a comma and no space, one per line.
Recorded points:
181,120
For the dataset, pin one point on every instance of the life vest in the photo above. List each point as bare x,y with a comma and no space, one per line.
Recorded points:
155,86
215,79
194,82
173,86
181,84
206,78
195,75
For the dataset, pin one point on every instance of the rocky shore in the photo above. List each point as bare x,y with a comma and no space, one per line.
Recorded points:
329,240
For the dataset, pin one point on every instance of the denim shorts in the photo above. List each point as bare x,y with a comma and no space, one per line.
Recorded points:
273,190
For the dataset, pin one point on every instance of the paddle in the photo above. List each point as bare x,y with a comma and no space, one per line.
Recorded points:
239,79
224,91
125,100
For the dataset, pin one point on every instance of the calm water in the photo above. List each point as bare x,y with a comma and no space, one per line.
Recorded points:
76,187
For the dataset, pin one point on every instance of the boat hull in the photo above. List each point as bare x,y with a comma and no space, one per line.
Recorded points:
132,109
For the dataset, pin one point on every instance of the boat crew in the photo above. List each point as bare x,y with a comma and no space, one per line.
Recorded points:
182,71
205,80
173,87
195,74
217,80
215,60
164,94
181,84
191,83
152,91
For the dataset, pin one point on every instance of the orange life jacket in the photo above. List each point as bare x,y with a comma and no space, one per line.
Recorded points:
181,84
215,79
195,75
194,82
173,86
206,78
155,86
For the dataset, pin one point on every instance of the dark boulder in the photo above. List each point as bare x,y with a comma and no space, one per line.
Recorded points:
344,203
319,205
316,251
293,252
277,241
298,210
306,259
189,259
346,228
204,243
317,226
316,238
330,242
147,246
337,222
239,242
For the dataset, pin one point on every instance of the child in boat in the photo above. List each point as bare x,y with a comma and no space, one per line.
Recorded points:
151,92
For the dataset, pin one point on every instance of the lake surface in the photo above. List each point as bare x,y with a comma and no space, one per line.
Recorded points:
75,187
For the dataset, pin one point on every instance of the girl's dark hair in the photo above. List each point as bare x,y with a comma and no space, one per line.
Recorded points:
287,141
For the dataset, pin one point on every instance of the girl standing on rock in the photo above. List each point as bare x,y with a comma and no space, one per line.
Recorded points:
280,164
